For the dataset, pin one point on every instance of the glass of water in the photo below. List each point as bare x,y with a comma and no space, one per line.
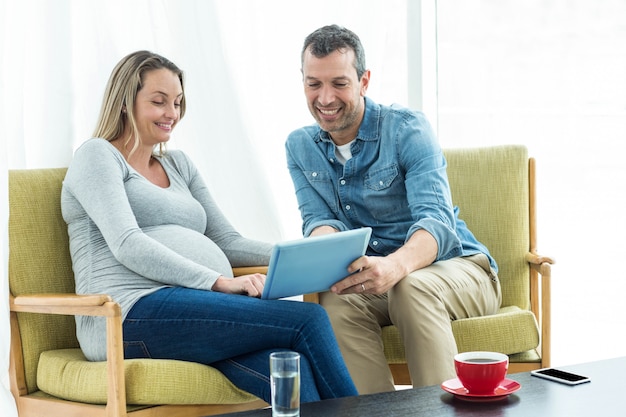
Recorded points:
285,379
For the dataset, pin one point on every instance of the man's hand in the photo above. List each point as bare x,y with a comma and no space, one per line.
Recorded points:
250,285
377,274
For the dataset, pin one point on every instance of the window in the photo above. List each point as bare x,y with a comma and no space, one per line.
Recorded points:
551,75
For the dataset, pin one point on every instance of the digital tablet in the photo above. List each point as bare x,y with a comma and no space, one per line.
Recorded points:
313,264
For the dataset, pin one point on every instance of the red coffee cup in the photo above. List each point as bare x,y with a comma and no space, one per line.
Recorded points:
481,372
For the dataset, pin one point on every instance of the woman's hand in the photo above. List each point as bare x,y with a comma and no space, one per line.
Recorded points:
250,285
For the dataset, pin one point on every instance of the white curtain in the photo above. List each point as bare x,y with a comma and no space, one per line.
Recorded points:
7,405
243,85
552,75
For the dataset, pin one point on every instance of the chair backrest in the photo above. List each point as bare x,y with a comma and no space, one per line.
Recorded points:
39,261
490,185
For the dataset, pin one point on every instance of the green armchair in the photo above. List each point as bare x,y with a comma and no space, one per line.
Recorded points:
48,373
494,188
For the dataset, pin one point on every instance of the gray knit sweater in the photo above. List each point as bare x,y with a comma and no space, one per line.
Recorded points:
129,237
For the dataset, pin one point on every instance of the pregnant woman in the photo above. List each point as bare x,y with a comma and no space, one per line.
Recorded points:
144,229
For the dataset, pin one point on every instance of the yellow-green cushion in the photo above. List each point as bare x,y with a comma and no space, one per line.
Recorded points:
511,331
39,261
490,187
65,373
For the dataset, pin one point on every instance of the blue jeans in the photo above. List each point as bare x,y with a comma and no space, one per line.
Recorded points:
235,334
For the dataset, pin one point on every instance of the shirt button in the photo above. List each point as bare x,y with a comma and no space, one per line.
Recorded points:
348,207
375,243
343,182
314,174
381,183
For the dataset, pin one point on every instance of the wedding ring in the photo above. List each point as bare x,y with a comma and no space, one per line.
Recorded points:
362,287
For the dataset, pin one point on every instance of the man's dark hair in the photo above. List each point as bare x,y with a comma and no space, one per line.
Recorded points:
329,39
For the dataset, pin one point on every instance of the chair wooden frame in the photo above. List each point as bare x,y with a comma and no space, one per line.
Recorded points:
104,306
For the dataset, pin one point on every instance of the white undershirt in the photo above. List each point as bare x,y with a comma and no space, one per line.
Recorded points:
343,152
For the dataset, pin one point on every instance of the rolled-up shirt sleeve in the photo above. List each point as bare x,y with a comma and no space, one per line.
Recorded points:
427,187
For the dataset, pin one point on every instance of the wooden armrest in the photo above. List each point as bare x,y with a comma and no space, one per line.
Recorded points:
537,259
247,270
68,304
86,305
60,300
312,298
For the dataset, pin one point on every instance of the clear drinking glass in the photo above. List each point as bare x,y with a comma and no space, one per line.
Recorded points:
285,380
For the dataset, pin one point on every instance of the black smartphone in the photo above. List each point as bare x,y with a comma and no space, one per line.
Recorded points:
558,375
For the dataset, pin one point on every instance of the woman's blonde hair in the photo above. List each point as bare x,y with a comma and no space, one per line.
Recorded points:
121,91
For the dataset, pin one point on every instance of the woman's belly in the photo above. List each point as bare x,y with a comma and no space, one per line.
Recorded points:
191,245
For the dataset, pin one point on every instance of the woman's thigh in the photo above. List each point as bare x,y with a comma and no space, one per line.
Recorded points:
205,326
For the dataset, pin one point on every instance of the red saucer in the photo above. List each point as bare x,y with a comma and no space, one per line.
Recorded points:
454,386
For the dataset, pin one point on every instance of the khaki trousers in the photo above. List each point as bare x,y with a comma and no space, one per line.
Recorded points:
421,306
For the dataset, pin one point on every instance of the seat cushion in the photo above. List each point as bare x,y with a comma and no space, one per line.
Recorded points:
66,374
511,331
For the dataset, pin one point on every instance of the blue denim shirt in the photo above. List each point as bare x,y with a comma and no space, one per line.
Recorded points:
396,183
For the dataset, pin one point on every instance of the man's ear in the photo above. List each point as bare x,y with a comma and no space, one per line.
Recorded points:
365,82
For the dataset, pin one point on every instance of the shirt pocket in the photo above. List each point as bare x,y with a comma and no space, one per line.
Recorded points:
381,178
384,193
321,182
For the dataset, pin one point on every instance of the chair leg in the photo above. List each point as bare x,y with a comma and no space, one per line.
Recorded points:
400,372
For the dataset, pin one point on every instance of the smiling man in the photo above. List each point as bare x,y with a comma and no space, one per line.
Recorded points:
364,164
335,93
